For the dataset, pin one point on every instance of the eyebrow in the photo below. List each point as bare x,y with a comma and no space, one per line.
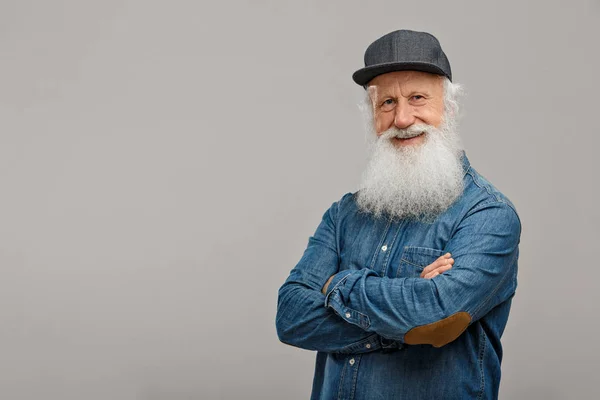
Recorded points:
383,93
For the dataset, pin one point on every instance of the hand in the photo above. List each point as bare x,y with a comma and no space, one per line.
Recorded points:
442,264
326,285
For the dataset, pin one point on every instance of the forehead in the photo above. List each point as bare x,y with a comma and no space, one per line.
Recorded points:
401,82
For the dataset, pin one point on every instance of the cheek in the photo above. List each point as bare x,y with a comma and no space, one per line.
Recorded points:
435,113
383,122
436,120
430,117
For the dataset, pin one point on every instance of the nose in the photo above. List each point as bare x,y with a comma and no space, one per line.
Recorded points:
403,117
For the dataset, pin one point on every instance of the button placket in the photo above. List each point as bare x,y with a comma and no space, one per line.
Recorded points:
347,385
377,252
388,247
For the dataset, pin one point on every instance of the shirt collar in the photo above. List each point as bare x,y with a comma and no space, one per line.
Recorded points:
465,163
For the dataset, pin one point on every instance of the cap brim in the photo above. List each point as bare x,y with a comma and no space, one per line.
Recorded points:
364,75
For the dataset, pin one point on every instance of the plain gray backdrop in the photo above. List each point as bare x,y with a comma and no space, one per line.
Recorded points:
162,165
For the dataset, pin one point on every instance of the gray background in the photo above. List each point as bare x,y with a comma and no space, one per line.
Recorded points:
162,165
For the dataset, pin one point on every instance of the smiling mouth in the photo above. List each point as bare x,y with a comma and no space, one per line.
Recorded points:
411,137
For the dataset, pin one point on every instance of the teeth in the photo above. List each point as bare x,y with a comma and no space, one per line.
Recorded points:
409,137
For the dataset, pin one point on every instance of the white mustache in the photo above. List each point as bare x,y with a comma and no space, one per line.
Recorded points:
411,131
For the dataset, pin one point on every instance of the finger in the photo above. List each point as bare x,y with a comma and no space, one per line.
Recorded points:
437,263
432,275
444,268
433,266
440,269
442,260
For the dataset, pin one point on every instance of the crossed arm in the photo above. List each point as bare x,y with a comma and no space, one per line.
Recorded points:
302,319
360,303
439,266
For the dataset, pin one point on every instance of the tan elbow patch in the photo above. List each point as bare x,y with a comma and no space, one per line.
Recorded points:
440,332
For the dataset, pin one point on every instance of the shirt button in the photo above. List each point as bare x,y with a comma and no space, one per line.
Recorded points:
348,315
351,361
384,247
368,345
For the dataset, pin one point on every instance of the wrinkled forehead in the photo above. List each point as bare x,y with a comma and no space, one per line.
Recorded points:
404,83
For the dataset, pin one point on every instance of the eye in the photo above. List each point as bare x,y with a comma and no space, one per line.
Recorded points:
417,97
387,105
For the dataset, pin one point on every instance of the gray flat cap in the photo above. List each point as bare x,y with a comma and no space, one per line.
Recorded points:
403,50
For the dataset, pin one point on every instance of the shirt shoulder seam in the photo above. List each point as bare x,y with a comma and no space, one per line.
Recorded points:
495,197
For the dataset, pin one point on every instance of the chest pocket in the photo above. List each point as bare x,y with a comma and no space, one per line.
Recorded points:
414,259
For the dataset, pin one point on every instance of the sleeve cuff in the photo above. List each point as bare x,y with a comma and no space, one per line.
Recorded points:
334,300
338,278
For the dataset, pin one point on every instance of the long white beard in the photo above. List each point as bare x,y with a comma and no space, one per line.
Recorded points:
414,181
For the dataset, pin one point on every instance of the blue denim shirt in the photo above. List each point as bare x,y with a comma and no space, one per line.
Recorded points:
377,304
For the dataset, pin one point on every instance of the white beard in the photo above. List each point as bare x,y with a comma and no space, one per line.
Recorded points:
413,181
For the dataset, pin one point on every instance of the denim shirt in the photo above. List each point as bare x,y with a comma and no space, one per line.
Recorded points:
383,332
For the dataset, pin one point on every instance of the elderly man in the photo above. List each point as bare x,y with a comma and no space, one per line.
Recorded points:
405,287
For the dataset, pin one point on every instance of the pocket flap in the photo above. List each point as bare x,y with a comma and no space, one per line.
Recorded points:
421,256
